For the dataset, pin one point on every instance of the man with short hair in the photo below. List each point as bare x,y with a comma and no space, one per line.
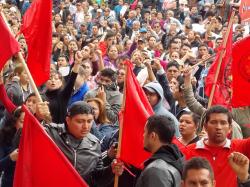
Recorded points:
172,70
216,147
108,92
198,172
81,148
164,167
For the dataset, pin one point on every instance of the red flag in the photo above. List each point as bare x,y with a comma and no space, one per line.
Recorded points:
40,162
241,73
223,84
133,119
244,11
8,44
37,30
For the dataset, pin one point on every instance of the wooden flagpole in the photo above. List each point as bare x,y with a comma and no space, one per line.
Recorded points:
222,53
21,59
116,181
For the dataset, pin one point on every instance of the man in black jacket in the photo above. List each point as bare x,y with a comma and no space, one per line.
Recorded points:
83,149
164,167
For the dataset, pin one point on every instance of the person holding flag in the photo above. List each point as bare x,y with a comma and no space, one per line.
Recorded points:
82,149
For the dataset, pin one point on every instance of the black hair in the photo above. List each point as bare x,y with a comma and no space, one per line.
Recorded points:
79,107
163,126
8,130
180,81
108,72
218,110
197,163
195,117
173,63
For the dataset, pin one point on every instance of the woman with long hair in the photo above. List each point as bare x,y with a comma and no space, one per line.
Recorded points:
102,127
9,140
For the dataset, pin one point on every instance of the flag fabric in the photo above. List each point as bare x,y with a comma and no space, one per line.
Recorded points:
244,11
133,119
40,162
241,73
8,44
37,30
223,84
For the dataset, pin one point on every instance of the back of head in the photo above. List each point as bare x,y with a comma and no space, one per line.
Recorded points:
163,126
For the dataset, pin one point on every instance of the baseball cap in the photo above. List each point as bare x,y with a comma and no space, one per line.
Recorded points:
143,29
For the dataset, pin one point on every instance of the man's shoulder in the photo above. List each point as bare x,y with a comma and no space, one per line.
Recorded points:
92,138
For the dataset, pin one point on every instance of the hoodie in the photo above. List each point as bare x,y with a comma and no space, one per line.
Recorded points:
159,108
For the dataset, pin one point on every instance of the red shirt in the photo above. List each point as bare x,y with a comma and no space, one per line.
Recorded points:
218,158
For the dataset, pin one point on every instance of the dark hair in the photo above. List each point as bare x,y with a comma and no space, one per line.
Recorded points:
197,163
163,126
218,39
180,81
109,35
57,24
8,130
108,72
173,63
202,45
218,110
79,107
195,117
187,45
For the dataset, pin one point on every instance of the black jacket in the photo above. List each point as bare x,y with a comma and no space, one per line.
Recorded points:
84,155
163,169
59,99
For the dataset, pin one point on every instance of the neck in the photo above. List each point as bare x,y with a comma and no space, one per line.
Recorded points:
186,139
182,103
211,143
24,85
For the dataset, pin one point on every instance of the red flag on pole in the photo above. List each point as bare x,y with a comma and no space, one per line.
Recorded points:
40,162
132,120
8,44
241,73
37,30
223,84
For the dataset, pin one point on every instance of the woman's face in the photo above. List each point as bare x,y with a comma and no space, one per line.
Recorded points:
96,109
19,122
121,76
24,79
31,104
172,84
187,126
72,46
54,82
113,53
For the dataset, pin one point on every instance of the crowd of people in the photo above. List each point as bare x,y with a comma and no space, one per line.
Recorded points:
191,145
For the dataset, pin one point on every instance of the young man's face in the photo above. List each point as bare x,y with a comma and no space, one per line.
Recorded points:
153,98
79,125
198,178
217,128
172,72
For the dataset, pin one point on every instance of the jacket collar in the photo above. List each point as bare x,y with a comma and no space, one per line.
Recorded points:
200,144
